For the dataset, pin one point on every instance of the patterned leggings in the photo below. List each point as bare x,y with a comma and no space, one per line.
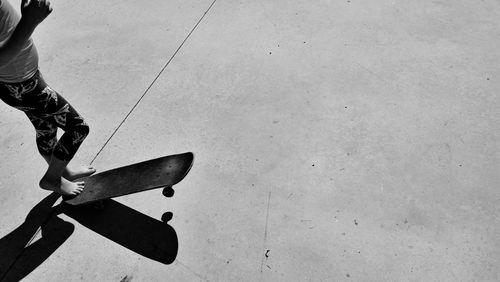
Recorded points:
47,110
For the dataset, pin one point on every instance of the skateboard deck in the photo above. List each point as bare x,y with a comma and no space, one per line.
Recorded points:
161,172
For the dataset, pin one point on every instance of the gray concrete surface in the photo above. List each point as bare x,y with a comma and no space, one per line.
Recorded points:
334,140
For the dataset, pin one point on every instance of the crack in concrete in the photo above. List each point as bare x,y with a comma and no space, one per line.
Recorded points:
264,240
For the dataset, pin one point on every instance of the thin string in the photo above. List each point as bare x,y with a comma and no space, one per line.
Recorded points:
151,84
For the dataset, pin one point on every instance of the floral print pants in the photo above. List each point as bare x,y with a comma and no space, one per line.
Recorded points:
47,110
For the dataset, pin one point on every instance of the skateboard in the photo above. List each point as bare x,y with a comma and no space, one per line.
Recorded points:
162,172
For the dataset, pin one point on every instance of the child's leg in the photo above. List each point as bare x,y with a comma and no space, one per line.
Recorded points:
59,113
46,140
48,110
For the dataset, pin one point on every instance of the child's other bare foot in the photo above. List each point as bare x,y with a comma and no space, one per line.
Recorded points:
78,172
63,186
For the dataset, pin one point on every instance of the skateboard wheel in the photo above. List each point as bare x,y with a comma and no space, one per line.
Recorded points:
168,192
166,217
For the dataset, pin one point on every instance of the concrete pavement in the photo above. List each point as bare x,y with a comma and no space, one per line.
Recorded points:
334,141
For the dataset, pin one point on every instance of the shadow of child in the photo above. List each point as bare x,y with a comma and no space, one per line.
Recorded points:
21,253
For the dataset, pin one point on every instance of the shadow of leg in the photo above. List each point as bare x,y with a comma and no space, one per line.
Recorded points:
13,245
55,232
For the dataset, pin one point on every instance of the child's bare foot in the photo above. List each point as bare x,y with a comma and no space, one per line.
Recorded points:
63,186
79,172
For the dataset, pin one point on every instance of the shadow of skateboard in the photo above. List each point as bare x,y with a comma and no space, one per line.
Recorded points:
162,172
